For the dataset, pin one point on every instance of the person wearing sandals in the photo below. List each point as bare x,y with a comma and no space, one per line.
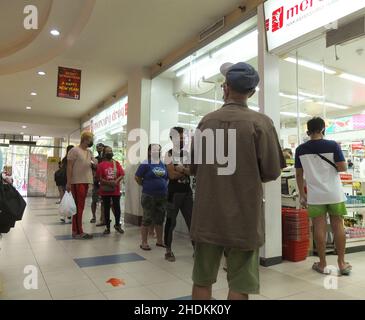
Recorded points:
320,161
110,174
152,175
80,162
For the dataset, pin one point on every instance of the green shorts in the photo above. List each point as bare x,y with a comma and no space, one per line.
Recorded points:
154,210
242,267
335,209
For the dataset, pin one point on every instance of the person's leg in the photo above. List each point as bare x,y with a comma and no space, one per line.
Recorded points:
94,204
206,267
106,203
83,188
320,237
242,273
336,218
172,212
75,229
117,213
187,210
147,205
159,218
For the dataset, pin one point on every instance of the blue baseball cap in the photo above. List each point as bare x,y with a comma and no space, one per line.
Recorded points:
241,77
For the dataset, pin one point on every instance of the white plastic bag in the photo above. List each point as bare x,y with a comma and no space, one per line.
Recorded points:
67,205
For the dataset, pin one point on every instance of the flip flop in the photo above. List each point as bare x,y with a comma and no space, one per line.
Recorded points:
160,245
347,270
316,268
148,248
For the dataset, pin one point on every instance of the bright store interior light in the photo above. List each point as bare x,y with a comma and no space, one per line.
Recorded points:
311,65
352,77
295,115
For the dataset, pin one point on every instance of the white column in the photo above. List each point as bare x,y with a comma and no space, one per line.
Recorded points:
139,96
269,102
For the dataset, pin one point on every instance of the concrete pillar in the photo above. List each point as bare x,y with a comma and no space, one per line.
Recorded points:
269,102
139,96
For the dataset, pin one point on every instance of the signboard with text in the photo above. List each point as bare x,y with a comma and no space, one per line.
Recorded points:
69,83
287,20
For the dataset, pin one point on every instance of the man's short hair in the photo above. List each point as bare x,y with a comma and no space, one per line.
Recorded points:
179,130
316,125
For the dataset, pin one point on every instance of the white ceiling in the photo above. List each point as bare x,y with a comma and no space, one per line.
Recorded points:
107,39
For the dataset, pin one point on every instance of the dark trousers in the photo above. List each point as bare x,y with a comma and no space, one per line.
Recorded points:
180,202
116,206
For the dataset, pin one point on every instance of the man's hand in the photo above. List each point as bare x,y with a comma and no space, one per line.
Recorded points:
180,168
303,201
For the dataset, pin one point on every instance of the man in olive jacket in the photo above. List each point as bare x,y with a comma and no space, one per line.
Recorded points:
228,211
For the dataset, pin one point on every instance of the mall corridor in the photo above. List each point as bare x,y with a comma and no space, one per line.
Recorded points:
70,269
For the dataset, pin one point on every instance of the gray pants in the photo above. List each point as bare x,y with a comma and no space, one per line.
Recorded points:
181,202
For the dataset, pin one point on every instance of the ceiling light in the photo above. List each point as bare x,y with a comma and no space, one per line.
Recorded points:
22,133
187,124
205,99
33,93
295,115
352,77
335,105
55,33
28,108
311,65
291,96
41,73
163,110
24,127
185,114
310,95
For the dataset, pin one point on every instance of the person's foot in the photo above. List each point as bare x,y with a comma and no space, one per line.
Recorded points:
119,229
320,268
169,256
58,202
93,220
160,245
345,268
86,236
101,224
62,220
106,231
145,247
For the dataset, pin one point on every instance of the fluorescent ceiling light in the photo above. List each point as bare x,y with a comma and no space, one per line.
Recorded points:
55,33
21,133
310,95
187,124
41,73
352,77
206,100
24,127
185,114
29,108
295,115
33,93
292,97
335,105
311,65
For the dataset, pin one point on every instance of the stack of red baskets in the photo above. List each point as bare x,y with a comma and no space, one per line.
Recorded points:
295,234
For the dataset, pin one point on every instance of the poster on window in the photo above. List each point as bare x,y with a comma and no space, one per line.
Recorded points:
69,83
37,182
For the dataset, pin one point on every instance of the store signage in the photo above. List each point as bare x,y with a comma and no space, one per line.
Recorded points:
111,118
356,122
287,20
69,83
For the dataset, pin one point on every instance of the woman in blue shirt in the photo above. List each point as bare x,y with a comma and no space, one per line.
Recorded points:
152,175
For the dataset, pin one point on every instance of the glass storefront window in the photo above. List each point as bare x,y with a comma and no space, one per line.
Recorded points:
188,91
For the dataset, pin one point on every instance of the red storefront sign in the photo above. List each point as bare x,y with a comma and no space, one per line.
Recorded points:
69,83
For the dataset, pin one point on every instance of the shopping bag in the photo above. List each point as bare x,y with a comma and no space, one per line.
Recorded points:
67,205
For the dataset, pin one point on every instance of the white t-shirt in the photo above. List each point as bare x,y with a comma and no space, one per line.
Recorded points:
323,181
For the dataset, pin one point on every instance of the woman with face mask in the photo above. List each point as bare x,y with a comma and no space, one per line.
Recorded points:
80,162
110,174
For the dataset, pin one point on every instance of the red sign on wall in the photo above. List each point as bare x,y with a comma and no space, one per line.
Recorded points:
69,83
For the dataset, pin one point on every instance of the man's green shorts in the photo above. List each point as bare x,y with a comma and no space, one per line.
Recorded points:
242,267
336,209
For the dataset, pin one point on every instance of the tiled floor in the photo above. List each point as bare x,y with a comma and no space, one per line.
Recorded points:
80,270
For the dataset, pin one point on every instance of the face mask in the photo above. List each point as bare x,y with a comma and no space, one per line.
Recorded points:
109,156
90,144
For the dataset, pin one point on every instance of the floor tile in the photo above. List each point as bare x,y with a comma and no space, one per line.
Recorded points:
107,260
